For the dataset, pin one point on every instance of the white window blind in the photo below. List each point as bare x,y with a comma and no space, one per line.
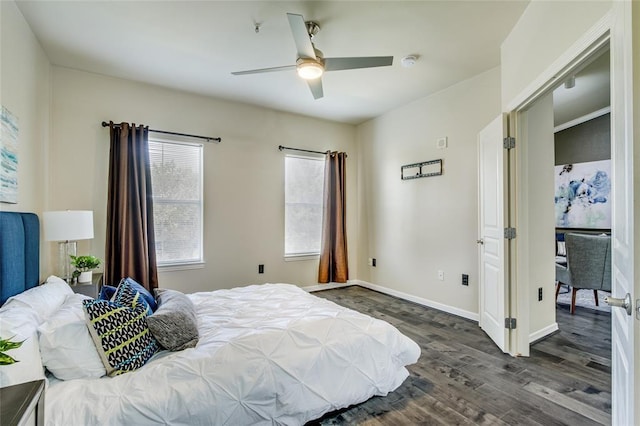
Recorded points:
304,184
176,177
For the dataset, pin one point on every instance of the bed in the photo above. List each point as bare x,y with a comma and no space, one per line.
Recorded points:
266,354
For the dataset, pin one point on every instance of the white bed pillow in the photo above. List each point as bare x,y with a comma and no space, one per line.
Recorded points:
20,317
67,349
44,299
19,325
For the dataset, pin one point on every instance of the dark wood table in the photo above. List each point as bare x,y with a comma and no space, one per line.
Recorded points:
18,402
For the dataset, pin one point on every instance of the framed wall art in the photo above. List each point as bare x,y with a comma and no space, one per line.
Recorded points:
583,195
8,157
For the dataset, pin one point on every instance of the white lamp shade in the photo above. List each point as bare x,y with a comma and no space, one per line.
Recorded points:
68,225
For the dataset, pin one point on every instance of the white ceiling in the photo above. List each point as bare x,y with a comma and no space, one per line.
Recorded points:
592,92
195,45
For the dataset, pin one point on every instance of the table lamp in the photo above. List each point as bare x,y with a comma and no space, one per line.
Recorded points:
67,227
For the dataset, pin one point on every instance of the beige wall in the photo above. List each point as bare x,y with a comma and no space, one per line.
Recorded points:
416,227
25,92
244,175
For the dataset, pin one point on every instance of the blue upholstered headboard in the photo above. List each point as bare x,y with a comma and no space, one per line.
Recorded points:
19,253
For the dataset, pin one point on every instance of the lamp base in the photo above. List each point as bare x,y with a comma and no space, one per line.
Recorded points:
65,250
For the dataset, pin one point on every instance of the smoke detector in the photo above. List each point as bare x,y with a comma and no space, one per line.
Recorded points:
409,61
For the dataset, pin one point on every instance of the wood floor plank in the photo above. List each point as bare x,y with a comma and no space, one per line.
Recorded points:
570,403
463,378
581,391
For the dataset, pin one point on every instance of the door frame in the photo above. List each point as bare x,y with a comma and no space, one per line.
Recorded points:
615,30
590,45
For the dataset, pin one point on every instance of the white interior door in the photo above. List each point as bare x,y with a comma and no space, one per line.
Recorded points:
623,326
492,208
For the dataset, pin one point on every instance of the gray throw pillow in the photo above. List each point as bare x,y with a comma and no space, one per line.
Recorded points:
174,323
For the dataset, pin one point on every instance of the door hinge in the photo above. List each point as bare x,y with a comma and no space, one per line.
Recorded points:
509,233
510,323
509,142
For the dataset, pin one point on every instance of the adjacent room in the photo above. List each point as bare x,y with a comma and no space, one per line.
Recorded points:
319,212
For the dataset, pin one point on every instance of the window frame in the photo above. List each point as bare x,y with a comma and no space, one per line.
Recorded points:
300,256
197,263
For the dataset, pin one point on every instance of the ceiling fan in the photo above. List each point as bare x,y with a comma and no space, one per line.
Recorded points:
311,64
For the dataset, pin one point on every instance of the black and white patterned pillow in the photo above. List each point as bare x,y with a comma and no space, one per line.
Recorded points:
127,295
121,335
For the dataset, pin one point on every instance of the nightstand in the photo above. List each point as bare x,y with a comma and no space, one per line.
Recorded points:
90,289
22,402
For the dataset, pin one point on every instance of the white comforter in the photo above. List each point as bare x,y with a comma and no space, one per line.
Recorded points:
268,354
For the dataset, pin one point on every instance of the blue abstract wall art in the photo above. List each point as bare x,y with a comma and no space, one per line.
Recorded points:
583,195
8,157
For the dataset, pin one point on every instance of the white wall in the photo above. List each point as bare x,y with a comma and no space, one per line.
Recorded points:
244,175
536,45
416,227
636,181
25,91
543,33
537,203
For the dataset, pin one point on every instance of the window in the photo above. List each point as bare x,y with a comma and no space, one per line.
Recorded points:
176,177
304,182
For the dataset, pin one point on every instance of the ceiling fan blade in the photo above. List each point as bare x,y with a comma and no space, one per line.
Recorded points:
261,70
301,36
337,64
316,88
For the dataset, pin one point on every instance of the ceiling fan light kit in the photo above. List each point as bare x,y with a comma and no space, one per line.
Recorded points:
310,63
309,69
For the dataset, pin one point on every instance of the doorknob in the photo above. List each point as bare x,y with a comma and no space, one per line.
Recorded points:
620,303
480,241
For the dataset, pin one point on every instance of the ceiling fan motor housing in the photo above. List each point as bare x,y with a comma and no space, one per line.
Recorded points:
312,28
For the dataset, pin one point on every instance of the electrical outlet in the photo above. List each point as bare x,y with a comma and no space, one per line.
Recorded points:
465,279
261,269
373,262
441,275
539,294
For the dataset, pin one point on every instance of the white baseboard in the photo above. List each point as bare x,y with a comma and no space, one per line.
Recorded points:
328,286
543,332
419,300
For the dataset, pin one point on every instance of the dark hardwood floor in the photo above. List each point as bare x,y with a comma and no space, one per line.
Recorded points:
462,378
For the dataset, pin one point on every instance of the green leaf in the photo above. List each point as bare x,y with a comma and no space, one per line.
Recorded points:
7,344
13,345
6,359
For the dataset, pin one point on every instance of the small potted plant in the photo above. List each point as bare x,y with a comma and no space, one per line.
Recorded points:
5,345
84,267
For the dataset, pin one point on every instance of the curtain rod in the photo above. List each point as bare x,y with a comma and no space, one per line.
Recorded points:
207,138
281,148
